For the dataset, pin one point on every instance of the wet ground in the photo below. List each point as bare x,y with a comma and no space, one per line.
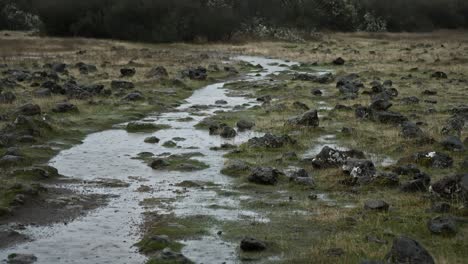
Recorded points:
107,235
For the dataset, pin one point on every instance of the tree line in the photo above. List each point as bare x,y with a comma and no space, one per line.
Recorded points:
188,20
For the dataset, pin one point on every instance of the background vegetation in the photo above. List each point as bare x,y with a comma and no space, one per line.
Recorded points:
187,20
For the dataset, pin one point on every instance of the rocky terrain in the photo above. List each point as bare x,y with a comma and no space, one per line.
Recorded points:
352,149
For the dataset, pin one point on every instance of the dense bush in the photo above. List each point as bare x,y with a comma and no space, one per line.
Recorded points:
186,20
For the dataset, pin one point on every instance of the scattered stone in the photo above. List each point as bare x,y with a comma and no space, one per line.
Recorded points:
158,72
221,102
433,159
376,205
228,132
271,141
452,187
442,225
453,143
301,106
152,140
199,73
389,179
264,175
170,144
329,157
122,85
159,164
308,119
169,256
317,92
244,124
339,61
135,96
29,110
407,250
252,244
361,171
439,75
411,130
21,259
127,72
454,126
265,98
64,107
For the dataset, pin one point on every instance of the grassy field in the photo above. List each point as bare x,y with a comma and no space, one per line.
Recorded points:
301,230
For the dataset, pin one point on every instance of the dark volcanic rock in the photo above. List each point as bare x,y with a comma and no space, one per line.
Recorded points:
228,132
198,73
452,187
442,225
244,124
158,72
329,157
388,117
361,171
453,143
339,61
406,250
127,72
439,75
29,110
411,130
116,84
252,244
271,141
376,205
454,126
308,119
21,259
264,175
135,96
433,159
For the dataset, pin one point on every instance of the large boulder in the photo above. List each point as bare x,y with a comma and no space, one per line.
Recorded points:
408,251
264,175
329,157
308,119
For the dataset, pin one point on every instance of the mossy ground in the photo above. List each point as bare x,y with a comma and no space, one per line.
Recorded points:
300,230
